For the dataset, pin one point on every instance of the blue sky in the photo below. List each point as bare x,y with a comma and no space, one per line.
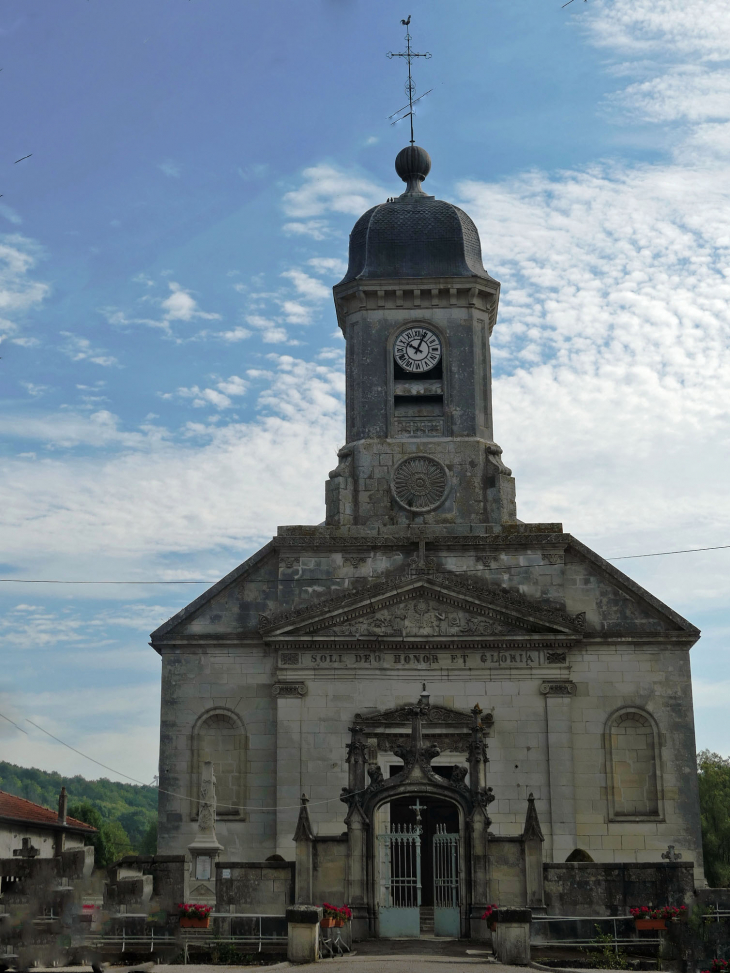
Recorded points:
171,373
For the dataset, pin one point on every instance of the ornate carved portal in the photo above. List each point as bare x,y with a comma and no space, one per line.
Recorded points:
368,790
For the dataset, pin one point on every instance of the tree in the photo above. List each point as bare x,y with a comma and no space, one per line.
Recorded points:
713,772
115,843
136,823
110,842
148,844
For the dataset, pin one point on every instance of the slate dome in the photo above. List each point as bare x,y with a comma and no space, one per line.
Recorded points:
414,235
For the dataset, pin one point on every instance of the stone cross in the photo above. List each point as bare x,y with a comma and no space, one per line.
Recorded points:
671,855
27,851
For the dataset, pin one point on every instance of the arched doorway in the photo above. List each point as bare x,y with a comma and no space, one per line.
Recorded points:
419,866
384,857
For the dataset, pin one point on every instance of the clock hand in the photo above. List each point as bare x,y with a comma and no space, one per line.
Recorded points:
418,346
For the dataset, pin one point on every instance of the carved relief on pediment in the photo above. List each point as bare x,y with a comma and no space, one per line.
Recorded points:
422,618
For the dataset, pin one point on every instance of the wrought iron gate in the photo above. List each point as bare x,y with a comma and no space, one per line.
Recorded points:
446,883
399,907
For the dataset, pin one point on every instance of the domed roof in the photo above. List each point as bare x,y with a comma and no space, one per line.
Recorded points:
414,235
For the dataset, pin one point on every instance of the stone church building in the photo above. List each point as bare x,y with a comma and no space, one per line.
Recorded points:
468,701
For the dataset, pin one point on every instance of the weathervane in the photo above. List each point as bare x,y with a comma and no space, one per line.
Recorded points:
410,87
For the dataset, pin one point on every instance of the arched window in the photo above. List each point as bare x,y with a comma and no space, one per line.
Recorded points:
633,765
219,736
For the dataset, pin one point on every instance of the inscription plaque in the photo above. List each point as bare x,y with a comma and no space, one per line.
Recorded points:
451,657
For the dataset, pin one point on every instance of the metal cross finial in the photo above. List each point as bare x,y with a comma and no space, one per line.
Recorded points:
418,807
410,87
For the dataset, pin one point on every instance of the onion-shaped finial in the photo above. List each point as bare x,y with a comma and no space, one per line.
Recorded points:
413,164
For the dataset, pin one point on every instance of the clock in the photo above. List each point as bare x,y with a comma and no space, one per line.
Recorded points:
417,349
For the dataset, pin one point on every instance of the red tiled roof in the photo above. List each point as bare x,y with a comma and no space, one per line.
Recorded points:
18,809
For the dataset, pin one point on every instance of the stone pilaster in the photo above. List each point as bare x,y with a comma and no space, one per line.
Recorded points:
288,771
558,717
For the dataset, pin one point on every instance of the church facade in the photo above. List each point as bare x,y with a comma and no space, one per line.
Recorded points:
424,663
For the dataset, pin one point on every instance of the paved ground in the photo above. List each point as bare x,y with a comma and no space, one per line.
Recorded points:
392,956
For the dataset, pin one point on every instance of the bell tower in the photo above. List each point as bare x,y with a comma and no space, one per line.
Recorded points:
417,309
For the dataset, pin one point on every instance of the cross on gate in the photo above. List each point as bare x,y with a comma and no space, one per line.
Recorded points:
418,807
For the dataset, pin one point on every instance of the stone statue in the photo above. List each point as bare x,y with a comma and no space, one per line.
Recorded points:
206,810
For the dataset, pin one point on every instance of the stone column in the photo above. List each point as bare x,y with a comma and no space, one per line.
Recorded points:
558,715
288,764
478,825
357,876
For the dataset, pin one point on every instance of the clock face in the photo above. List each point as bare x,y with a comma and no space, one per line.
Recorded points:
417,349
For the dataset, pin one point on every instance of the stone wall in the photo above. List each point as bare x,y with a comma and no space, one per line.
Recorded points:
329,861
586,889
254,887
507,872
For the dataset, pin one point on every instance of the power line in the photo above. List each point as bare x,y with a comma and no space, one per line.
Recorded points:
621,557
54,581
160,790
688,550
14,724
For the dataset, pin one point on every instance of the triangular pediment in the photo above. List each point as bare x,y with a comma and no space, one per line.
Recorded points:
433,608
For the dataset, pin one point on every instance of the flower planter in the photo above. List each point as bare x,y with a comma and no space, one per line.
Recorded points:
327,922
191,922
339,922
651,923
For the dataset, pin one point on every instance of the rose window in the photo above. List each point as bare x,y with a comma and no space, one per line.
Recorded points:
420,483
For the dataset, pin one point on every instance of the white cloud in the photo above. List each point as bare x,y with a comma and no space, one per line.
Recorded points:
81,349
233,386
296,313
68,429
35,390
19,293
220,396
309,287
316,229
181,306
692,29
329,189
271,332
236,334
10,215
226,490
329,266
170,168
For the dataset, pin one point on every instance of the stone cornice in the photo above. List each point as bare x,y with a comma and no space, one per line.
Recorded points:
417,296
362,539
